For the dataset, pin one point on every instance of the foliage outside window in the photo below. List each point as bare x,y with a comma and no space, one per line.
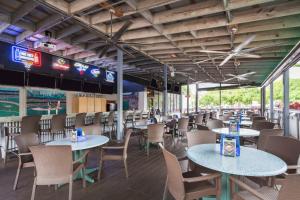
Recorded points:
294,87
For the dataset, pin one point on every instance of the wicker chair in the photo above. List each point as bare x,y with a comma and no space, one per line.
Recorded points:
80,120
258,118
154,134
58,125
264,135
289,190
24,155
185,186
98,118
260,125
199,119
107,155
214,123
286,148
54,166
182,126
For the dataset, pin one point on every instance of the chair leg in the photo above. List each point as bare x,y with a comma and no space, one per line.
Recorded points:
33,189
147,148
83,178
17,175
70,187
165,189
126,169
100,169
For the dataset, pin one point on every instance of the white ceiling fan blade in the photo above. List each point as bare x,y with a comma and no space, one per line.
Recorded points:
226,59
260,47
230,75
244,44
242,78
229,79
211,51
247,74
248,55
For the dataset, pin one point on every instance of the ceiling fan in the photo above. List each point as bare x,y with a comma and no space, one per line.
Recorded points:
241,77
115,38
238,51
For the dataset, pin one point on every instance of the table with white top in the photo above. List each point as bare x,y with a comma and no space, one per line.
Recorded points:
78,148
251,162
243,118
244,132
242,123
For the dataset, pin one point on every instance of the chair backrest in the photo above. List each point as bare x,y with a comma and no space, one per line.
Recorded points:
98,118
214,123
94,129
111,118
290,188
199,119
172,124
258,118
201,127
260,125
24,141
183,124
30,124
58,123
225,117
156,132
264,135
200,137
126,142
80,120
53,164
286,148
174,175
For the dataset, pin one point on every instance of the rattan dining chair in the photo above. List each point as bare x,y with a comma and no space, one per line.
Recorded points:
288,191
214,123
260,125
264,135
106,153
155,134
58,125
199,119
94,129
182,128
187,186
111,124
258,118
25,159
98,118
54,166
286,148
80,120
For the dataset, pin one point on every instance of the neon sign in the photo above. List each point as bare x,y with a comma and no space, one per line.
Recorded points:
60,64
24,55
81,67
110,76
95,72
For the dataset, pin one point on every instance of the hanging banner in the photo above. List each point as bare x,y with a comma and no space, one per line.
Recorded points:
110,76
81,67
95,72
60,63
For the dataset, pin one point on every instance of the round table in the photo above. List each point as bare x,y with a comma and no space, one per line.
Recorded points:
78,148
243,123
251,162
244,132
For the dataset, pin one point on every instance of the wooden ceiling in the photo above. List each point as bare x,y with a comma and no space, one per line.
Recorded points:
175,29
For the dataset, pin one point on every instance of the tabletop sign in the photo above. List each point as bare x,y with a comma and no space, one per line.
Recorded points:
60,64
230,145
110,76
234,127
81,67
21,55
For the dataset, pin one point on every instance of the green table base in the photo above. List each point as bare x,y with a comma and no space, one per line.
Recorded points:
80,175
225,193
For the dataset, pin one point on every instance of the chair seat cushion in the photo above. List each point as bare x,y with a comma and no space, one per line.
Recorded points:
268,192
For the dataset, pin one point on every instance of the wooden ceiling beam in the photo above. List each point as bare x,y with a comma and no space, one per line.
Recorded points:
68,31
80,5
23,10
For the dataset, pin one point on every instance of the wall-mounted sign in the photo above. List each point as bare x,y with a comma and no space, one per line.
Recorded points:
110,76
81,67
26,56
95,73
60,64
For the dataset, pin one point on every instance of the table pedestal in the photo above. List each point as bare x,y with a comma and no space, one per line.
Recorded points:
80,175
225,193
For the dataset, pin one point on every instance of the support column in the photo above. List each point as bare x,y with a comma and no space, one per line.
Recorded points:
180,102
262,100
22,102
286,102
220,96
197,97
165,106
188,96
120,95
271,103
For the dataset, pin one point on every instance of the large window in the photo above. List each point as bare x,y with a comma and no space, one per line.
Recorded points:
294,85
278,93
